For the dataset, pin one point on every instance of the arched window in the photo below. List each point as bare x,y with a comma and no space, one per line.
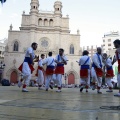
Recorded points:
71,49
40,22
16,46
51,22
45,22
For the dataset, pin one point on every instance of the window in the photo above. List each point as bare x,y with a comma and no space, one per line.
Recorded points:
16,46
51,22
109,48
109,40
40,22
71,49
103,40
103,44
109,44
45,22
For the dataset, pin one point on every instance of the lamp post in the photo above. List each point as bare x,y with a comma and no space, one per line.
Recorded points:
2,66
65,77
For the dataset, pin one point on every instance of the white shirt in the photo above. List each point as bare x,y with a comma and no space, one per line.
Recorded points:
109,62
96,60
40,63
48,61
30,51
60,59
83,59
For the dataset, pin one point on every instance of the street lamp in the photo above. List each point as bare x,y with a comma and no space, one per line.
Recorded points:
65,77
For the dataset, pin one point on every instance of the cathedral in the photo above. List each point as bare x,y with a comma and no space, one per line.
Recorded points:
51,31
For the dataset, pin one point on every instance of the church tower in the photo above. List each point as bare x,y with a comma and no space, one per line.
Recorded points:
58,14
34,6
58,8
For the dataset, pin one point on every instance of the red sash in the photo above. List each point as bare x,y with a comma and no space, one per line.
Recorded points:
49,71
59,70
99,72
110,73
118,65
118,61
84,73
30,66
39,68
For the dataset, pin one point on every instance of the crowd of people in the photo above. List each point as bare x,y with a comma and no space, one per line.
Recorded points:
101,66
54,69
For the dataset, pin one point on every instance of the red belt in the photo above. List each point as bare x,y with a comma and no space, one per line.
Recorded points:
59,70
83,73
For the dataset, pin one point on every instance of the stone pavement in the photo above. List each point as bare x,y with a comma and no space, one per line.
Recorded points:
70,104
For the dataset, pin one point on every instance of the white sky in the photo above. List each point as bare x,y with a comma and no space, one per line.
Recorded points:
92,17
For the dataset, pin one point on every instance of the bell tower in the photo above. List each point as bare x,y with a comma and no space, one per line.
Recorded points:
58,8
34,6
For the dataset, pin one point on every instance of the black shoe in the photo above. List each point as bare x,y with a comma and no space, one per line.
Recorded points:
46,89
81,89
86,91
51,86
99,92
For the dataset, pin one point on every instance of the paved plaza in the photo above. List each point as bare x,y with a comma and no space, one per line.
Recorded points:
70,104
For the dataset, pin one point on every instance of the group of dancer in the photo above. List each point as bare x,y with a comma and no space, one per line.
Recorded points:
101,66
55,67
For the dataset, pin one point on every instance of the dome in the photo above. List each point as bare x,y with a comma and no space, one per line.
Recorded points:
58,2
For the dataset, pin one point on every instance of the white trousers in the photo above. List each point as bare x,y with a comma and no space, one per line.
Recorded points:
40,79
26,71
59,80
95,78
85,81
47,81
54,79
118,80
109,82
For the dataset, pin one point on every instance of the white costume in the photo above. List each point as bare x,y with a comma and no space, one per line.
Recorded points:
50,62
59,71
83,62
97,63
109,77
27,67
40,79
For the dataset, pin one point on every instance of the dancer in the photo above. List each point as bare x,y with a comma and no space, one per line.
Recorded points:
117,58
84,62
27,67
49,61
109,72
40,72
61,60
96,70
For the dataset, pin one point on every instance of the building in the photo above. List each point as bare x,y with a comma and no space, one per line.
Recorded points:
108,41
2,51
51,31
92,49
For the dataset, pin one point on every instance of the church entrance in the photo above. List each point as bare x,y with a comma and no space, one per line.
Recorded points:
71,79
13,77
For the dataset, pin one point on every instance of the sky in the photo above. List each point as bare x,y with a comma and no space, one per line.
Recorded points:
92,17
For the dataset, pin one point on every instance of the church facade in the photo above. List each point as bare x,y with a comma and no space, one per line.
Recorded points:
51,31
